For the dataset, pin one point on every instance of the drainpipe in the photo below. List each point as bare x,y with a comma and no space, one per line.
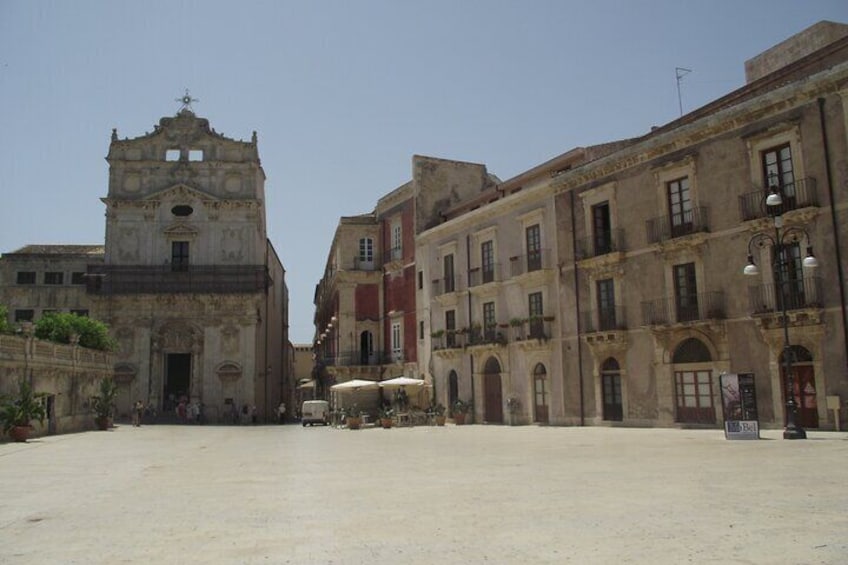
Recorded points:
577,309
835,226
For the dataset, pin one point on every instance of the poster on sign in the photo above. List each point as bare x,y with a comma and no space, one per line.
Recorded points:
739,403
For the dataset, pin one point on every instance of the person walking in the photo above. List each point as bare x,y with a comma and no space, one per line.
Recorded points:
281,412
138,413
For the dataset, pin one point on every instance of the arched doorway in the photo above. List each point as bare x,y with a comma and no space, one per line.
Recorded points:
693,383
803,386
611,390
492,393
540,394
453,389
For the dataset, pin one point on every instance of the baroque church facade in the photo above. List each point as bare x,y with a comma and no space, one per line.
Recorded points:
188,282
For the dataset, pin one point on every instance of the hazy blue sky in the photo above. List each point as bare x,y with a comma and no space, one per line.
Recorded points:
342,94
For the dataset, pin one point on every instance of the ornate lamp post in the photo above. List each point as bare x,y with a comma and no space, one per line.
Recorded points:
782,238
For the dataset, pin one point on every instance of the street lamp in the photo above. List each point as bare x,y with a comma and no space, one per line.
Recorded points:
782,238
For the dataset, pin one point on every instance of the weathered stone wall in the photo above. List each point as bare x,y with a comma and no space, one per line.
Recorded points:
69,374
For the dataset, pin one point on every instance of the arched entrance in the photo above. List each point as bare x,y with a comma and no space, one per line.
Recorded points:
693,383
803,386
611,390
540,394
492,393
453,389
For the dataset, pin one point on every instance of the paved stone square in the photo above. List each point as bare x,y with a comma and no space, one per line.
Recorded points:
467,494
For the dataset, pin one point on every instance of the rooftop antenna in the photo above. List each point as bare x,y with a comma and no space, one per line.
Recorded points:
680,72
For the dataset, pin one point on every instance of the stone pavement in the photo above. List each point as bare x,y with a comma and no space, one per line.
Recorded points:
468,494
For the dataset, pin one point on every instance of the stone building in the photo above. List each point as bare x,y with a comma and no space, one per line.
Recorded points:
365,309
188,281
636,251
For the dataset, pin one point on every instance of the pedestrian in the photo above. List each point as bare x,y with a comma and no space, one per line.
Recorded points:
281,412
138,413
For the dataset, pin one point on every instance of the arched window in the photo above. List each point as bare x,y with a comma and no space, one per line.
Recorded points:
691,351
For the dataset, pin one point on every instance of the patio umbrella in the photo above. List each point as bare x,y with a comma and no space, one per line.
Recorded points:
354,385
416,388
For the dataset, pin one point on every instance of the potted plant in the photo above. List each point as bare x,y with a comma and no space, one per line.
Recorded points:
103,404
386,413
353,417
437,411
18,412
460,409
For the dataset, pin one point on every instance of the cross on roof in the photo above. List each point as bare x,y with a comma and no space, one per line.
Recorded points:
186,101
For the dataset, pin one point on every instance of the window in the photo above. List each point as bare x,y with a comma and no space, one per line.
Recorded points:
179,256
195,154
487,261
182,210
83,313
172,155
779,173
489,322
694,396
54,277
685,292
366,252
449,274
680,207
397,241
450,327
77,278
534,310
606,304
26,277
420,280
397,344
24,315
601,229
789,272
533,238
421,329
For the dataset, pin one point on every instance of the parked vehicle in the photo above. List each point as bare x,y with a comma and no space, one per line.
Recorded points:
315,412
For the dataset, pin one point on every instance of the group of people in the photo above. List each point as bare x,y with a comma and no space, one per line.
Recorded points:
192,412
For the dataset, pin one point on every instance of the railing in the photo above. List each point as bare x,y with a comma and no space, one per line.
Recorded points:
478,275
800,194
360,264
143,279
800,293
393,254
603,321
589,247
699,307
354,359
534,261
447,285
662,228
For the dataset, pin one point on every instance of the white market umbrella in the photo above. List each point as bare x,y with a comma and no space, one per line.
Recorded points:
401,381
354,385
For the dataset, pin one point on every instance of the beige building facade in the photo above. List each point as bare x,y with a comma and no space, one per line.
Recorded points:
187,280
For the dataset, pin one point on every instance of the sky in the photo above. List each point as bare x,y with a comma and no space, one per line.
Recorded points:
342,94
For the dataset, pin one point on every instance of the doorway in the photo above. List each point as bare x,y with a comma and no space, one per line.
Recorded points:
492,393
177,379
803,386
611,390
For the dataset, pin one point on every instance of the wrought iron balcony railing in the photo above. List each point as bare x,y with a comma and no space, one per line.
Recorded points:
800,194
479,275
354,358
596,246
665,227
604,320
360,264
694,308
447,285
393,254
799,294
146,279
534,261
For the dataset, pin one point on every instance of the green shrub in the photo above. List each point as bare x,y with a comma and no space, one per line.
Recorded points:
59,326
5,326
